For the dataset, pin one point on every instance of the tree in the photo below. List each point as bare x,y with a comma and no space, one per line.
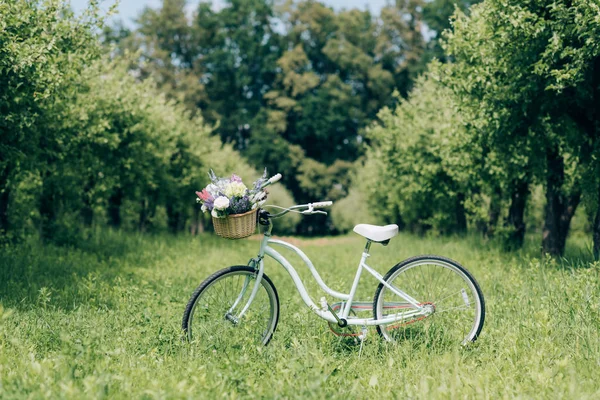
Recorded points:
437,15
400,42
524,70
425,170
292,87
334,77
43,48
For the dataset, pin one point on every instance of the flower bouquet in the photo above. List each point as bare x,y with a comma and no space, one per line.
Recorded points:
232,205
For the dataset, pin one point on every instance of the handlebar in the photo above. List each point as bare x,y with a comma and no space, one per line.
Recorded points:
274,179
320,204
308,208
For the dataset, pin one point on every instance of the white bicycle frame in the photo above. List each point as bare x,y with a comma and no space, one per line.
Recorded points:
415,309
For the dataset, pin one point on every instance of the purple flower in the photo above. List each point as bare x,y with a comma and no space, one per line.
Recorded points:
259,182
235,178
240,205
213,177
209,203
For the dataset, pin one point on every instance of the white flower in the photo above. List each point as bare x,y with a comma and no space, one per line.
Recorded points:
222,184
221,203
203,208
214,213
213,190
237,189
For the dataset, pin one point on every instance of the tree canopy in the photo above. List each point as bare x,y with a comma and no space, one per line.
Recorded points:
292,86
439,115
521,103
85,141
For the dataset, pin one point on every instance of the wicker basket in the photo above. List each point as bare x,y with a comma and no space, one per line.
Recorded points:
236,226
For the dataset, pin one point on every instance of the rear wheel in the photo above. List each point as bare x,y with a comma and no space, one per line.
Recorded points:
455,304
212,316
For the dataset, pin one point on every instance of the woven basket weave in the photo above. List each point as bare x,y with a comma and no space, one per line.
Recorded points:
236,226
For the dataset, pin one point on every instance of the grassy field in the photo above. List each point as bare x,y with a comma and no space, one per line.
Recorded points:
103,320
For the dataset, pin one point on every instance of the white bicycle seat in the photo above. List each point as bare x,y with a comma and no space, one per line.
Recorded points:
377,233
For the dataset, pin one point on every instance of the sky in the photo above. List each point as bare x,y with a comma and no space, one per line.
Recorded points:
129,9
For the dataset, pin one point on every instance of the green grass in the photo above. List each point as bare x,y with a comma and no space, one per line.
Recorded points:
104,320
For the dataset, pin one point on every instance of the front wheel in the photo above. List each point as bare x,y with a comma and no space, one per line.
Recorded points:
455,309
212,316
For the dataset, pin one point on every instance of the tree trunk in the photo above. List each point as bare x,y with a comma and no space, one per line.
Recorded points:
172,219
175,218
87,211
4,201
494,211
47,212
596,230
197,225
559,208
143,216
398,219
461,215
516,215
147,213
114,208
87,215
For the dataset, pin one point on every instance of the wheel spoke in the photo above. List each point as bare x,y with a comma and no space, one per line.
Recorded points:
205,316
436,302
455,314
451,308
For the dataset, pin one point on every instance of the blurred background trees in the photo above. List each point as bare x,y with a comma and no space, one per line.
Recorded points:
442,116
517,110
291,85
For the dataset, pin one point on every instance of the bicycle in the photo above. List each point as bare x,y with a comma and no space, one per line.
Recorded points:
425,296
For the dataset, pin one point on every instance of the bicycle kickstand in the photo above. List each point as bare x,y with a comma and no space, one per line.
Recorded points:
362,337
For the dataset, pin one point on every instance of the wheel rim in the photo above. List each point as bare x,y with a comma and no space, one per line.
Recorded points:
443,288
211,323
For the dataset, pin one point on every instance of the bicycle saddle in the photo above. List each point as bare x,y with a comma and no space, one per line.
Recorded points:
377,233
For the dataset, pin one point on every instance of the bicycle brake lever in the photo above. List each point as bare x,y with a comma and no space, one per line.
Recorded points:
311,212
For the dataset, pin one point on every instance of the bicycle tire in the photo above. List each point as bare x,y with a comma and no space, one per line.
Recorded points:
267,284
415,262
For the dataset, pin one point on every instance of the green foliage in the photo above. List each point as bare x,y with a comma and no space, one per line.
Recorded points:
217,62
514,109
401,44
437,14
43,49
104,321
146,147
85,141
526,75
294,99
352,210
422,174
338,71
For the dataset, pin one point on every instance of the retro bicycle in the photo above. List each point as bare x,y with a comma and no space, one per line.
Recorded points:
428,296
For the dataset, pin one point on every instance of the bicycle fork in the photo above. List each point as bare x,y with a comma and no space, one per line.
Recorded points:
257,282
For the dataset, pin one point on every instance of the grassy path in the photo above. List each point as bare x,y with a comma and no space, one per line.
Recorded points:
104,321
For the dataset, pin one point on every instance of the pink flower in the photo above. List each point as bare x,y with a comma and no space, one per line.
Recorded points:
235,178
204,195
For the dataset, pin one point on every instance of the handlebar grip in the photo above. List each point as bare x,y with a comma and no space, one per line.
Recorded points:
274,179
321,204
